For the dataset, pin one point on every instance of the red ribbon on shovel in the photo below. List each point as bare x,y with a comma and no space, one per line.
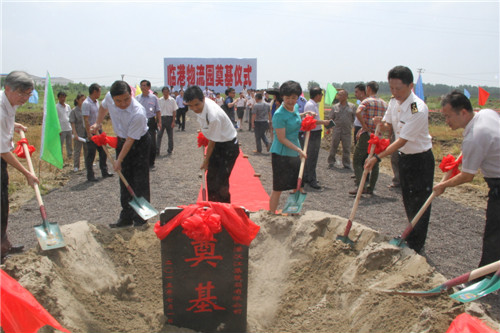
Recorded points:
308,124
202,140
19,151
380,144
450,163
102,139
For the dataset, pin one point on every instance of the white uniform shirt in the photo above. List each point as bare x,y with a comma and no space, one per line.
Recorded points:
63,112
215,124
314,107
8,116
481,145
130,122
410,121
167,106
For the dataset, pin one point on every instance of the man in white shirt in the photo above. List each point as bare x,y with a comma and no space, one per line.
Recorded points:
130,125
168,108
480,150
18,89
222,149
150,103
63,111
408,118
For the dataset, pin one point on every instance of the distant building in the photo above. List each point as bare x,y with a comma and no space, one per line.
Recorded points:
40,81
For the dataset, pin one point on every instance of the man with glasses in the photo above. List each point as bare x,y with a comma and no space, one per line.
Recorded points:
18,89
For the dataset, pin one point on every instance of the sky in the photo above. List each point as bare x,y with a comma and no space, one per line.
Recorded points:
450,42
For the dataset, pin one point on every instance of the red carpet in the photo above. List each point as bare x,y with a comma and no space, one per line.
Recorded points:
246,189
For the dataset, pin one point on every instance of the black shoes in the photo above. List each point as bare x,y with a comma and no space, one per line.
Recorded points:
93,179
315,186
121,224
107,175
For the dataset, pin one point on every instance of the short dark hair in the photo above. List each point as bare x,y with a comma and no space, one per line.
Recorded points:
192,93
147,83
290,88
361,87
61,93
119,88
228,91
373,86
402,73
78,96
94,87
342,89
165,88
315,92
457,101
258,96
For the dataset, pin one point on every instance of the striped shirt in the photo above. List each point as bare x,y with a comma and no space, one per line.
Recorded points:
372,107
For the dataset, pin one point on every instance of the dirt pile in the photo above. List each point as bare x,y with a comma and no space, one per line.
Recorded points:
301,280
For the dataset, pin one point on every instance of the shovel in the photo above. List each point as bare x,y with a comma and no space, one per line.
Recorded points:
203,180
472,275
295,200
399,241
345,237
48,233
478,290
141,206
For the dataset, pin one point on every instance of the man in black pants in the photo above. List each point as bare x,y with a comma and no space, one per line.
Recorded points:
480,150
222,149
408,118
153,113
133,150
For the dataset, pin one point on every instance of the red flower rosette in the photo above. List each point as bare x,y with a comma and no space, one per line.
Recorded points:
380,144
308,124
202,225
202,140
19,151
102,139
450,163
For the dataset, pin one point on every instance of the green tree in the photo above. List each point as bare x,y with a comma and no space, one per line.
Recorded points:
312,84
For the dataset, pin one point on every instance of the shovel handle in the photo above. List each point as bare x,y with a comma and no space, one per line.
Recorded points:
203,180
472,275
422,210
303,161
125,182
32,170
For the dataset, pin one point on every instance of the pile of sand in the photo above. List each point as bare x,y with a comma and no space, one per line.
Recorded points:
301,280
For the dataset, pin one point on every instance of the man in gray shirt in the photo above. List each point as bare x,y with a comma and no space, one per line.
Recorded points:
153,112
261,118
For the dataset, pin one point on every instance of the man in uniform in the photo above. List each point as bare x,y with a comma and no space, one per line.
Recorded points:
480,150
90,109
133,149
370,107
343,114
18,88
408,118
150,103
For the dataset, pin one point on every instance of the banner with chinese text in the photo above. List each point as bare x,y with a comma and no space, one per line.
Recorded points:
217,74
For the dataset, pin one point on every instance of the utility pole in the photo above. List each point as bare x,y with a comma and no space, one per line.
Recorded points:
420,70
123,75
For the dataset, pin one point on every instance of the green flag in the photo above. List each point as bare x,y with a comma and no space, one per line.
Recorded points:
331,92
51,150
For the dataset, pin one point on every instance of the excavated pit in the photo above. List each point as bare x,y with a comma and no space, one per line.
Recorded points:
300,280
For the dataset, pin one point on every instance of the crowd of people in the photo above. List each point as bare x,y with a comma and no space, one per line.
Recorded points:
140,121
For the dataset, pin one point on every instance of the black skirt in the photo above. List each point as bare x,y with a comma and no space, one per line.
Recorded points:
285,172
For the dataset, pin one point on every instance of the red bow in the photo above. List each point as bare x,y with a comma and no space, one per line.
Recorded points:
202,225
202,140
450,163
19,151
380,144
102,139
308,124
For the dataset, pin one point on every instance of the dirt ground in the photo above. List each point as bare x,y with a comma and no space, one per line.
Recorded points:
301,280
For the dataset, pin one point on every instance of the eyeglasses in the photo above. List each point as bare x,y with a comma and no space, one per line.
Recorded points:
24,94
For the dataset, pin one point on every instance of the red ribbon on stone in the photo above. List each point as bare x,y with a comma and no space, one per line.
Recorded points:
233,218
19,151
202,225
380,144
450,163
308,124
202,140
102,139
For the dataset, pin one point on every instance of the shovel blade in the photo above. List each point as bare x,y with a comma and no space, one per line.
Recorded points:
398,242
346,240
143,208
294,203
477,290
49,236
